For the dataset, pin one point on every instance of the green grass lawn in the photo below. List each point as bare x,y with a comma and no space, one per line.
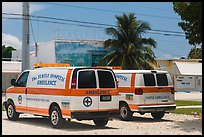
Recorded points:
187,103
188,111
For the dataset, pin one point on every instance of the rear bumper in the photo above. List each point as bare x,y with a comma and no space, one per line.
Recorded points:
156,108
94,115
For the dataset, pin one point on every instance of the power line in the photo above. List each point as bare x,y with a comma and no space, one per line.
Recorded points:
165,34
105,10
55,22
94,23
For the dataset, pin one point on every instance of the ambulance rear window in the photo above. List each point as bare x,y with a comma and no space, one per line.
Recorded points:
162,80
149,79
106,79
87,79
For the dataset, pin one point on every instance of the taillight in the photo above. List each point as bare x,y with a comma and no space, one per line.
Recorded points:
172,90
73,85
138,91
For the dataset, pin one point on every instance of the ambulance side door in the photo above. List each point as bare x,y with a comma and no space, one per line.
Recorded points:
20,86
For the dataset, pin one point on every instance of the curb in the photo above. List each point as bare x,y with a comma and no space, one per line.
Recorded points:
189,106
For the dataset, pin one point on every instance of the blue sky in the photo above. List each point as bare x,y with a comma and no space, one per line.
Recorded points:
159,15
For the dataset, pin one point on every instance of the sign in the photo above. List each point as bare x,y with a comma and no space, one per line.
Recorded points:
87,101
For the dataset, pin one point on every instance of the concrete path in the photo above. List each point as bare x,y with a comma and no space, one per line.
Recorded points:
198,106
192,96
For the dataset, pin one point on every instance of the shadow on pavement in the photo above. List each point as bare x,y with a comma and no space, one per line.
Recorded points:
143,119
72,126
189,125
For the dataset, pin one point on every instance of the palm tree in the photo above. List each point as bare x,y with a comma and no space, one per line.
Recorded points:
127,47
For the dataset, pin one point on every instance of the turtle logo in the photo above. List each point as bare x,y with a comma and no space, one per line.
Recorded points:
19,99
87,101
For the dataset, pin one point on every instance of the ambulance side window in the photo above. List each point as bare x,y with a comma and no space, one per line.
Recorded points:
162,80
86,79
106,79
22,80
149,79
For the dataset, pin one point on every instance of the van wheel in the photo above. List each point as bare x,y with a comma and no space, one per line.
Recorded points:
125,112
11,112
101,122
55,118
158,115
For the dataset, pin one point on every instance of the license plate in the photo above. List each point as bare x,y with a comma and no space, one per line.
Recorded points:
105,97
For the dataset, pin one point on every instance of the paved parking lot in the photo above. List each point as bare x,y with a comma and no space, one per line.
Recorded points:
171,124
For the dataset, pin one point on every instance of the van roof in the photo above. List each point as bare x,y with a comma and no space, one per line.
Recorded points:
65,68
139,71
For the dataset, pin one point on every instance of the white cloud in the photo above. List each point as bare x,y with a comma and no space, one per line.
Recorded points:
168,56
10,40
16,7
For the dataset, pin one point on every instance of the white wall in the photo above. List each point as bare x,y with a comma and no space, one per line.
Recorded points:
6,80
187,83
46,52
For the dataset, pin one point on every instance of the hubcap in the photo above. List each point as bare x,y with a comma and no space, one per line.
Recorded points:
10,111
123,112
54,117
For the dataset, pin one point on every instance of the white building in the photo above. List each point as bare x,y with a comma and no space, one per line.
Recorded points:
10,70
187,76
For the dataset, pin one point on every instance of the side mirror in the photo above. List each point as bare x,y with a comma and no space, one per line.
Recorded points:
13,82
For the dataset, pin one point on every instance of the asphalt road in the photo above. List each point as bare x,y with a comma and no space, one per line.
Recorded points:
171,124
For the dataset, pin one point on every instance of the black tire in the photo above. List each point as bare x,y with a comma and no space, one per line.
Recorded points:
55,117
125,112
11,112
101,122
158,115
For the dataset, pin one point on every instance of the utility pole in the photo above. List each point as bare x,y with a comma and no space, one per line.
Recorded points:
25,38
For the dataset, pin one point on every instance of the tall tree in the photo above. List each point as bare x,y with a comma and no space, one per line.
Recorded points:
195,53
7,52
127,47
191,16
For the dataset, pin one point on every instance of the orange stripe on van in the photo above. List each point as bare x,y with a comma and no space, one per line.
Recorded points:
34,110
145,89
68,79
21,109
94,92
135,106
65,92
66,112
44,111
133,79
126,89
48,91
19,90
132,106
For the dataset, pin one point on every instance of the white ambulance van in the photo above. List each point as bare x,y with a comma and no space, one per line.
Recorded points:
62,93
144,91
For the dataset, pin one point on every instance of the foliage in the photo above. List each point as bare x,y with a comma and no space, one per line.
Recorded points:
127,47
7,52
191,16
195,53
